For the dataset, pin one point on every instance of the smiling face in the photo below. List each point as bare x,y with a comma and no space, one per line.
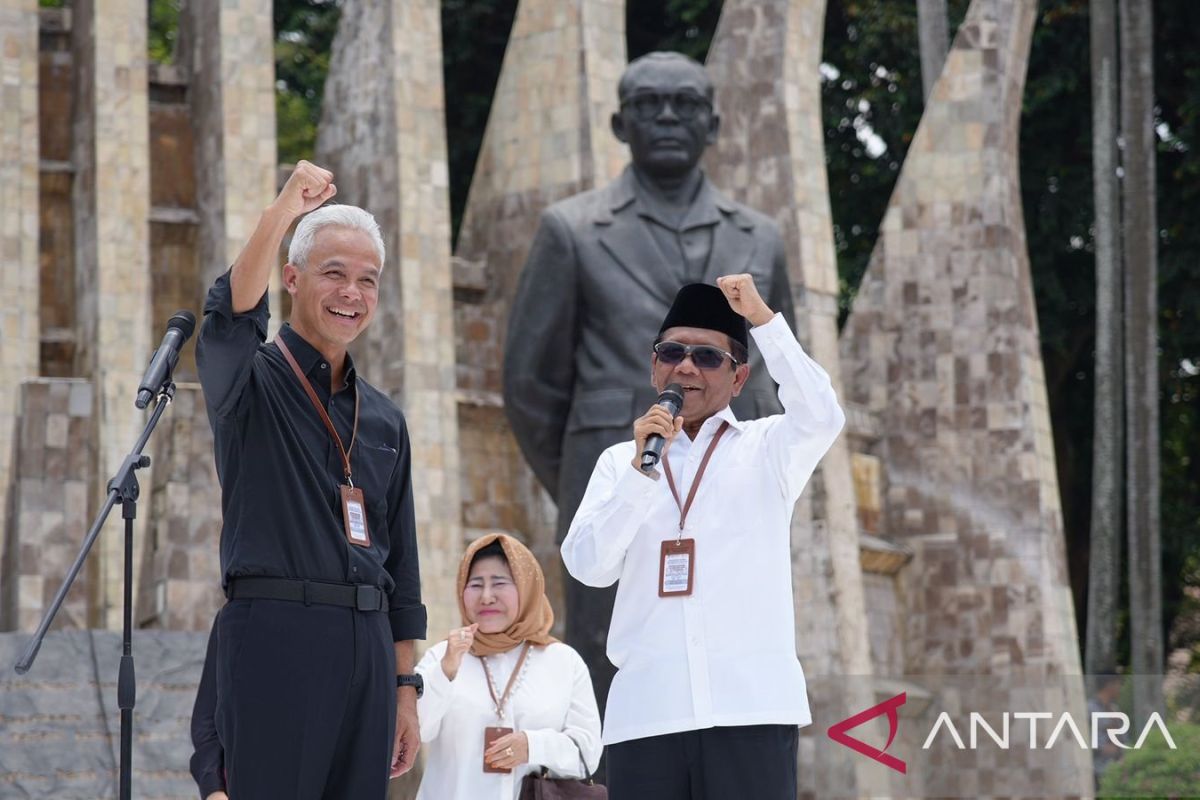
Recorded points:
490,596
705,391
335,294
666,145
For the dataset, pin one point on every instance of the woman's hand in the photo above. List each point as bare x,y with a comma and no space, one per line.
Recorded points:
457,645
508,752
217,796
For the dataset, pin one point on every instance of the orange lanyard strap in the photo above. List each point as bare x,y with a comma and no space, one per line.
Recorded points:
316,401
685,507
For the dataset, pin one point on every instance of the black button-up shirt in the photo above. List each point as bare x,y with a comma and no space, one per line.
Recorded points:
280,469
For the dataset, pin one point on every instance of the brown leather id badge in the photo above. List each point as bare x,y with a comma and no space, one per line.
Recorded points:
676,567
354,514
490,735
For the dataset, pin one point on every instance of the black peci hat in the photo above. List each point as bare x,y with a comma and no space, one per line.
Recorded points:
702,305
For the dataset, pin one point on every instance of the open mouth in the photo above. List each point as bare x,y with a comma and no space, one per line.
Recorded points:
343,315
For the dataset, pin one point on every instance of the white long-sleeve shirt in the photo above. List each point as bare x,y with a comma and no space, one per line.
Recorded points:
726,654
552,702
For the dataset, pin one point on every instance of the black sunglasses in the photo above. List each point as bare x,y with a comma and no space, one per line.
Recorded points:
703,356
648,105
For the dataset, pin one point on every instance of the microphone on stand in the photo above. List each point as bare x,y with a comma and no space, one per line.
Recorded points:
672,400
179,329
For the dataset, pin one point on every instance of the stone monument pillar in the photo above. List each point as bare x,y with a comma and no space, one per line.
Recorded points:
227,49
19,334
111,205
226,54
770,155
942,344
547,138
52,483
385,141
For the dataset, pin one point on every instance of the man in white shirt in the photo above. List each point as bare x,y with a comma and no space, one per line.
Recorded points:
709,695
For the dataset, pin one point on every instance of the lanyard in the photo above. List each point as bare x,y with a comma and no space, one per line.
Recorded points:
685,507
512,681
312,395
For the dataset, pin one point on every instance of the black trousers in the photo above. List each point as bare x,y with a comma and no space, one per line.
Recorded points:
751,762
306,700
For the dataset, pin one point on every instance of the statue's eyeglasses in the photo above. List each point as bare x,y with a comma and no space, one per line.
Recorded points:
703,356
648,105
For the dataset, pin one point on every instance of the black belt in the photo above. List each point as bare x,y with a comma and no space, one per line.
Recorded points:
347,595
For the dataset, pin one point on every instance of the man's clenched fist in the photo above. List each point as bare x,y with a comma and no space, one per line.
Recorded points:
306,189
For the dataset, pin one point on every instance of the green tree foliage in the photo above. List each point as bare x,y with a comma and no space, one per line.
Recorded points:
163,29
304,31
1156,771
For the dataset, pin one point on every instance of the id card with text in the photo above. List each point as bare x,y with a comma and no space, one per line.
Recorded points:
677,568
354,514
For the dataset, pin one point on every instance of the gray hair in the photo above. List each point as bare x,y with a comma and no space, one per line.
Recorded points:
326,216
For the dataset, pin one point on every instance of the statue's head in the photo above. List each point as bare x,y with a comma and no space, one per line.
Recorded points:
666,114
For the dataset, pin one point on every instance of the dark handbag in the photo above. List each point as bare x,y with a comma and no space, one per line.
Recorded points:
535,786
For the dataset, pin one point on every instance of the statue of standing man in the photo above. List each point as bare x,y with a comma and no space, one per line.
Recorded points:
602,272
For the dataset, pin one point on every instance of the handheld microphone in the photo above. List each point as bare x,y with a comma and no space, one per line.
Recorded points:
672,400
179,329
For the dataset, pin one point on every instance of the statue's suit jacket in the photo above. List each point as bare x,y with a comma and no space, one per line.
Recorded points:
593,293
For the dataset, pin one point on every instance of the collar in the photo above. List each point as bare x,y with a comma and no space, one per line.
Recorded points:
724,415
308,357
727,415
706,208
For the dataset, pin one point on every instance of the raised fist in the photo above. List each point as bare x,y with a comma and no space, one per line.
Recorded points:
306,189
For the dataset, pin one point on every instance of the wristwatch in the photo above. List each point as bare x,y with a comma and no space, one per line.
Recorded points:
414,680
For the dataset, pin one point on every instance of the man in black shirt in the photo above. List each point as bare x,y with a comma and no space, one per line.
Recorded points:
315,696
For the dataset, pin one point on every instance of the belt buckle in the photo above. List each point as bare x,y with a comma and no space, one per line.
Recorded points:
367,598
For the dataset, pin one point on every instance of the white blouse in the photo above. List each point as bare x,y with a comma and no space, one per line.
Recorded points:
552,702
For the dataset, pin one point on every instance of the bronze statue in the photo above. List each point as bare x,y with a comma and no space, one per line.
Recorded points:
602,272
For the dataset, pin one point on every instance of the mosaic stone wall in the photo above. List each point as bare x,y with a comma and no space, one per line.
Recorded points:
180,582
48,501
111,210
966,442
19,334
227,53
547,138
942,344
385,141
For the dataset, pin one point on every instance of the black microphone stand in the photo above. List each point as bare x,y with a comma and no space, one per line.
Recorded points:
123,489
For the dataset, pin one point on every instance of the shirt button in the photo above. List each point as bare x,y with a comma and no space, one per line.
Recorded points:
324,365
354,570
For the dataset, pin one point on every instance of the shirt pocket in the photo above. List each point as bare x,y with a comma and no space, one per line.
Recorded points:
373,469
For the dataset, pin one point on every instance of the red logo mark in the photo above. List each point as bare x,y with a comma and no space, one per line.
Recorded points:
839,735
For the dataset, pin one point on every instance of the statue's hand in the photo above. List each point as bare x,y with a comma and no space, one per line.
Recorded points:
744,298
